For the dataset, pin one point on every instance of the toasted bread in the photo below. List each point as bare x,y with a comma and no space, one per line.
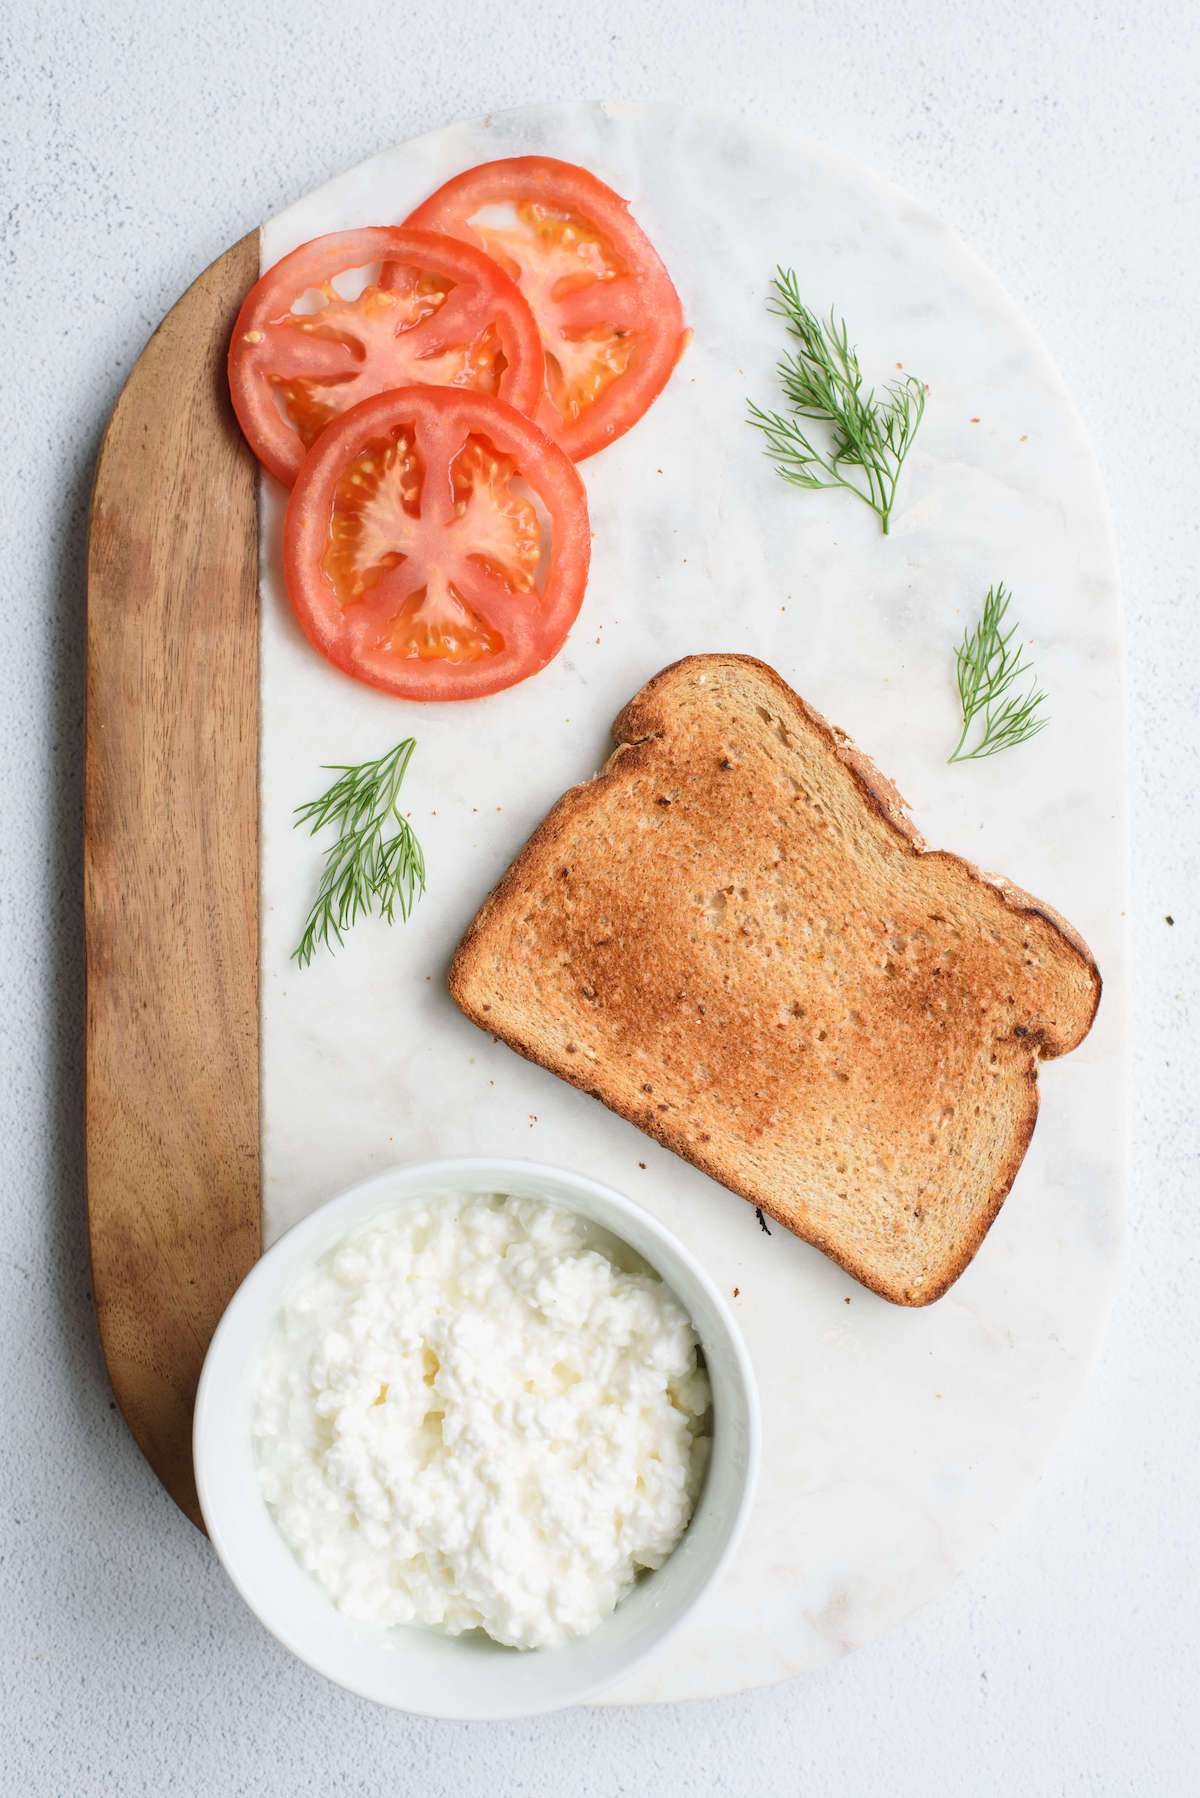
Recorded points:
736,939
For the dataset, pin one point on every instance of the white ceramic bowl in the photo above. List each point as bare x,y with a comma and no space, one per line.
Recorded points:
418,1669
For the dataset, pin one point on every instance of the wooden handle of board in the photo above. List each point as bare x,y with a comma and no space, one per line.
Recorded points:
171,869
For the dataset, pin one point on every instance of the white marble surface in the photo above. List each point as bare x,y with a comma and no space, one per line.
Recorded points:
1061,142
895,1444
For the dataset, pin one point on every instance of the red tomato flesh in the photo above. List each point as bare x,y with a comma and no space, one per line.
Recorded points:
436,544
610,320
443,312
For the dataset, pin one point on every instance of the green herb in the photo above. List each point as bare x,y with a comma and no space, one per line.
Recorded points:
986,666
364,871
822,380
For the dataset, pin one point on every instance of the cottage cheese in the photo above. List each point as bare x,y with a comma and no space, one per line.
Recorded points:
482,1413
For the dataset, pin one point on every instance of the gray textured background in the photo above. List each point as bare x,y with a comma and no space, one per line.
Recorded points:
136,143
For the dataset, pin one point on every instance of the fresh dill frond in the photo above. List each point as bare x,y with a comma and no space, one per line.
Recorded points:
364,870
986,666
821,380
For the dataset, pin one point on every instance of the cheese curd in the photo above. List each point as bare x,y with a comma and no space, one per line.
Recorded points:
482,1413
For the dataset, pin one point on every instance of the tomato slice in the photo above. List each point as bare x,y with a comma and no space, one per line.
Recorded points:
436,544
611,322
446,313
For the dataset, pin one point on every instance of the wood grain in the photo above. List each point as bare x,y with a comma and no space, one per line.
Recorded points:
171,869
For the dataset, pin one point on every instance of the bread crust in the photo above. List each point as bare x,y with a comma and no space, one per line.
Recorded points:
644,719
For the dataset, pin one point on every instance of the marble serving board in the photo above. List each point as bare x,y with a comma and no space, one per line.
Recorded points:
896,1443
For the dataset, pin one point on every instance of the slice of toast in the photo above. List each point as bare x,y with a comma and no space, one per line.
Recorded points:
735,938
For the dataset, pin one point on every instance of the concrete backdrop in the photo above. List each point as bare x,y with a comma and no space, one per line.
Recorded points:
136,143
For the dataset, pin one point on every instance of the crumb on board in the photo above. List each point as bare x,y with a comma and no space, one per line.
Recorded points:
1170,919
737,1292
762,1222
641,1164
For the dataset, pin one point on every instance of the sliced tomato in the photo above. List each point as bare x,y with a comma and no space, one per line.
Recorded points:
303,352
611,322
436,544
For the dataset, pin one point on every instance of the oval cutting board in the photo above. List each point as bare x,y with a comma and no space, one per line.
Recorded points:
895,1443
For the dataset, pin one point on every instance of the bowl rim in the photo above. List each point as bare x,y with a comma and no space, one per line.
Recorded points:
442,1171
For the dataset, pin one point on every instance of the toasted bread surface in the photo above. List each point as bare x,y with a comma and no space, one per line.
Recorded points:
735,938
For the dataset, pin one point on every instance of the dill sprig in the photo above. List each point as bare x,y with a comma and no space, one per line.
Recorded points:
822,380
986,665
364,871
